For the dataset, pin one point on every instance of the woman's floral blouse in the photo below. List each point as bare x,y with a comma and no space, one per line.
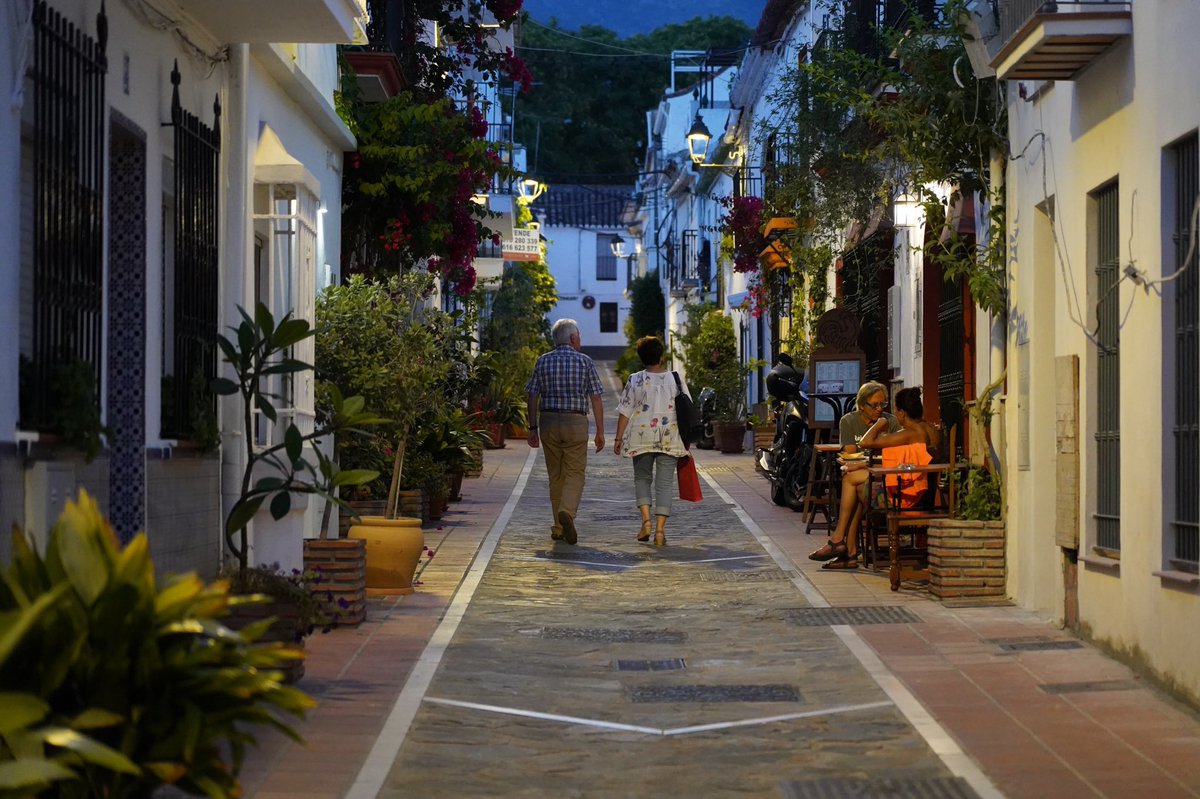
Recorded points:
649,403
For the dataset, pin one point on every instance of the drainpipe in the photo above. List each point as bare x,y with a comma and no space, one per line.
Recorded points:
997,340
234,274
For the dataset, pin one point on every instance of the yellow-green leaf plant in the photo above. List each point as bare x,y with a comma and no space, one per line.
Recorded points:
113,684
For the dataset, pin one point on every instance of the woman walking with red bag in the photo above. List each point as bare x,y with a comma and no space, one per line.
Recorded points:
648,432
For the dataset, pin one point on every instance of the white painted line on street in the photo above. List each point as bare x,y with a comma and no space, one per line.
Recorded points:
709,560
375,768
628,501
808,714
801,582
934,733
567,561
613,725
913,711
533,714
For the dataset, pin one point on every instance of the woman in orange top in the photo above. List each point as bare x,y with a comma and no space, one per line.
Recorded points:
915,432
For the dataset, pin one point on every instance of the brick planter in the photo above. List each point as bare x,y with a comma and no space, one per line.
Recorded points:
966,560
341,568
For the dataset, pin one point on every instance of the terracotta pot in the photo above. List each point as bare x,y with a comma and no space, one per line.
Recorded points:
456,481
437,506
394,548
729,436
517,432
496,436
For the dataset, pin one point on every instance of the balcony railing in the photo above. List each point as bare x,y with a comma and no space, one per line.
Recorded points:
1048,40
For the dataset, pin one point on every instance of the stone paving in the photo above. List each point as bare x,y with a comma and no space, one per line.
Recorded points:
748,671
550,624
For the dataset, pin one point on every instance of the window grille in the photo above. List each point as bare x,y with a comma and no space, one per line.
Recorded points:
606,262
608,317
190,351
1108,369
1186,428
65,272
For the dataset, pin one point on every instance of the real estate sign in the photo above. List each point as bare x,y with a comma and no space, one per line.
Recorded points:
523,246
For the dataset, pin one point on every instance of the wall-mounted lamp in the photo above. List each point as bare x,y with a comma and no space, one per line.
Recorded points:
529,189
323,209
698,138
906,210
617,245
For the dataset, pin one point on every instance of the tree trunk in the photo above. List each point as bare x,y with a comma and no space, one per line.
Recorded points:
397,469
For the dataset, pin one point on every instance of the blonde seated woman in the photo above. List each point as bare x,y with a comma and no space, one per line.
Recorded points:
904,438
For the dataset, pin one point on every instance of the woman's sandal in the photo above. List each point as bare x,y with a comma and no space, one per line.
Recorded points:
660,539
843,562
644,534
832,549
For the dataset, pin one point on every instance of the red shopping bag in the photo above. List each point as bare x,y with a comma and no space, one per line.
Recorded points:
689,480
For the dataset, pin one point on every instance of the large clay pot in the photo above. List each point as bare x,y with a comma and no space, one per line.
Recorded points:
729,436
394,548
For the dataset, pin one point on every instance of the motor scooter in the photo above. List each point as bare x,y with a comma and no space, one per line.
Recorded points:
705,404
785,463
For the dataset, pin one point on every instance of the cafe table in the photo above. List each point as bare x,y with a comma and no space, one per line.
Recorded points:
898,517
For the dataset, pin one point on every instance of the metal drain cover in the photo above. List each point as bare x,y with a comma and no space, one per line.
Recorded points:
824,617
651,665
1035,645
746,576
1089,687
714,693
912,788
613,636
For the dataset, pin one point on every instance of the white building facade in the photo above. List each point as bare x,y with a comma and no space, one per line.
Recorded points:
179,168
1101,411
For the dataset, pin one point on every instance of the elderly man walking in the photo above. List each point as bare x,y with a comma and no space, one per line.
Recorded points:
564,382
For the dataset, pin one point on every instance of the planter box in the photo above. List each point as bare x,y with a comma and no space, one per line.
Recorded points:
341,569
966,560
474,466
730,437
282,630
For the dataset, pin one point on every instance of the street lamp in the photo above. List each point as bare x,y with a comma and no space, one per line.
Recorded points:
529,189
698,138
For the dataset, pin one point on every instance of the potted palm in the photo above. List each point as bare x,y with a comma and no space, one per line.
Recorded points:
272,473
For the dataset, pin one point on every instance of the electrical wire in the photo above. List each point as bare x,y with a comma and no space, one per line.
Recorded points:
1191,251
160,21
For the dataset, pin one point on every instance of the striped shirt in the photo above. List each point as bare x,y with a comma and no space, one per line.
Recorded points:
565,380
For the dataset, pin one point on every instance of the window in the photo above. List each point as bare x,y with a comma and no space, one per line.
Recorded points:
608,317
285,231
606,262
190,268
62,192
1106,209
1185,552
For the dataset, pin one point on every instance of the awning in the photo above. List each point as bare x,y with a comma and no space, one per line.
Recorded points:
737,299
274,164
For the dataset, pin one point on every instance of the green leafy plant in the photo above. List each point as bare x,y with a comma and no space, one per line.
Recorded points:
259,350
309,610
76,411
711,359
979,496
380,340
115,686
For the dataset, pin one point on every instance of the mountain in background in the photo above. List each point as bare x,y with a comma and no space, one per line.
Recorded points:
630,17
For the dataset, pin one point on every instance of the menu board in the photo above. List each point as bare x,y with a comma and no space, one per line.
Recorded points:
833,377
